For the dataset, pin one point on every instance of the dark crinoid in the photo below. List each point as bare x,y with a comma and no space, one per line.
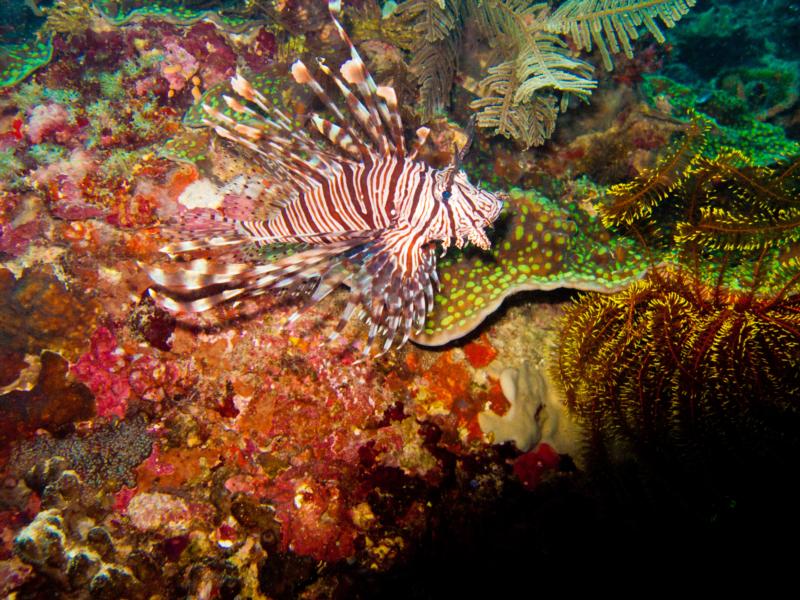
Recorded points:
672,361
721,202
702,357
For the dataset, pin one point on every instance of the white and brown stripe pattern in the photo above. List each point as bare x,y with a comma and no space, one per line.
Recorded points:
367,213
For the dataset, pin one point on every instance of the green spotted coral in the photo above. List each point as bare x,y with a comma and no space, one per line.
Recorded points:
538,245
270,84
17,61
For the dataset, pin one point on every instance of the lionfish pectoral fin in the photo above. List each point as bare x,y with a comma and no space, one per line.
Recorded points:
391,290
203,284
197,305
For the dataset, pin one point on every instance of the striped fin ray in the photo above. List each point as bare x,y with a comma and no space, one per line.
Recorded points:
395,122
299,170
203,231
271,115
206,284
336,135
361,113
355,73
271,136
335,274
302,75
391,302
286,151
419,142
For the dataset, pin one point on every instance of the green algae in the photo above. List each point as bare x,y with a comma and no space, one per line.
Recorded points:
12,169
734,125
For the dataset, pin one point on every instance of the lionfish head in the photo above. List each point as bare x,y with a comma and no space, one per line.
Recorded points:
472,209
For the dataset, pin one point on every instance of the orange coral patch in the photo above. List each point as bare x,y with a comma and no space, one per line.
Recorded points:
180,179
480,352
497,401
175,467
448,380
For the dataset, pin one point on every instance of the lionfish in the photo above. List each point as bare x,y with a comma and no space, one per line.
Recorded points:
366,212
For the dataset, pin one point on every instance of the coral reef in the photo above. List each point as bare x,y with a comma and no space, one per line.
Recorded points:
734,124
40,312
53,403
70,549
526,392
105,458
521,96
17,61
713,207
651,414
703,351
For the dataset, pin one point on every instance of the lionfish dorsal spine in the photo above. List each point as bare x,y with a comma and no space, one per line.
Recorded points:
302,75
355,72
419,141
365,118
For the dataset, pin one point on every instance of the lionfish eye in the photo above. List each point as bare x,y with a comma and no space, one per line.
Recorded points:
446,195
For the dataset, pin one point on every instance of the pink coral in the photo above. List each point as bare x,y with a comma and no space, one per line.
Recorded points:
48,121
178,66
152,379
104,371
71,205
217,60
155,465
144,85
79,164
15,239
123,497
261,52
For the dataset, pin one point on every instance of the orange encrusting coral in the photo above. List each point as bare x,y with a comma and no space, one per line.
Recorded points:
480,352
